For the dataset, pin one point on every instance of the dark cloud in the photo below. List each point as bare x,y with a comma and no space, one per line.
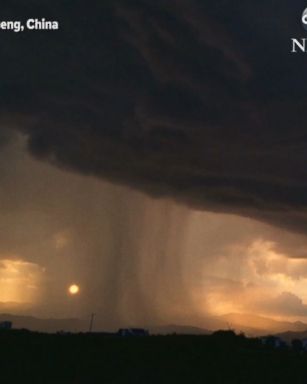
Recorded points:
196,100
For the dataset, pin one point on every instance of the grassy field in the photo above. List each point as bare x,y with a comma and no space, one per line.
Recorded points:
93,358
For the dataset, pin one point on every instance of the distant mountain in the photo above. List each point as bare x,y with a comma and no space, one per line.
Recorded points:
43,325
178,329
289,336
254,325
251,325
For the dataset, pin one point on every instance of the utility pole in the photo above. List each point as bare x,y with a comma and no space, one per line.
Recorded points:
91,322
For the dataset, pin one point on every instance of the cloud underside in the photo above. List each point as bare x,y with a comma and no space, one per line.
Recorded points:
176,99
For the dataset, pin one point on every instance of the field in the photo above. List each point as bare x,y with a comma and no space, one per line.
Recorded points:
96,358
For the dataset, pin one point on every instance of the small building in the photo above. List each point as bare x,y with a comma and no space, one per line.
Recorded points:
132,332
6,325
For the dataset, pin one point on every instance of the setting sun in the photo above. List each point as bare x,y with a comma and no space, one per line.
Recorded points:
73,289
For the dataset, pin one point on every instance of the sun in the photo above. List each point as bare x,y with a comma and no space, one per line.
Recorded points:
73,289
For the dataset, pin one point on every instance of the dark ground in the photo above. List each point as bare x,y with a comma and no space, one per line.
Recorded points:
93,358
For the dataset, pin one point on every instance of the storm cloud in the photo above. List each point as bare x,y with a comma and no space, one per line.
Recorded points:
199,101
132,143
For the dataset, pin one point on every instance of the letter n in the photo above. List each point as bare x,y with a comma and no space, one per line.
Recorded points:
297,44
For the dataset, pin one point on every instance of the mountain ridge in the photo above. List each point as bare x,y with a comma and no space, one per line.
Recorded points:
251,325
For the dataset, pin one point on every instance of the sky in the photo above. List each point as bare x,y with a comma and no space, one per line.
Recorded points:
153,153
